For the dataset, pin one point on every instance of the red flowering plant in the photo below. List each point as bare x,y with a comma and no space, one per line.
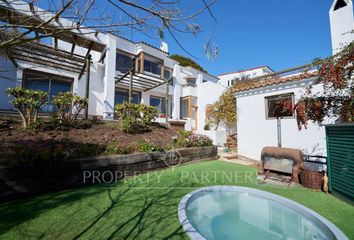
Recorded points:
335,74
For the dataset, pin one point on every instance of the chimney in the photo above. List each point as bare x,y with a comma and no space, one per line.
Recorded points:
164,47
342,26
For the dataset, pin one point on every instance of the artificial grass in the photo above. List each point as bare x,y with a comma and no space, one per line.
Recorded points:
144,207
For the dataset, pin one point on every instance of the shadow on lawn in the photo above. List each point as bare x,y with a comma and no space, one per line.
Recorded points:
115,211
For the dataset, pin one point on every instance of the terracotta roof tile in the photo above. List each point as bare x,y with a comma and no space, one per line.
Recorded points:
273,80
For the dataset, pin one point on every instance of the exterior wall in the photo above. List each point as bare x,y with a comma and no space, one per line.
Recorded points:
225,79
256,132
177,92
109,80
341,21
102,79
208,93
8,78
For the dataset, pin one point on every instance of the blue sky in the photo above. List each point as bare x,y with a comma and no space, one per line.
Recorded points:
277,33
280,34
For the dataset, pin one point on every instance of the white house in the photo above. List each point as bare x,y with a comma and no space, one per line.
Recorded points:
258,127
179,93
229,79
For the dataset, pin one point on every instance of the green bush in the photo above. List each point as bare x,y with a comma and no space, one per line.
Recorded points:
68,108
135,117
189,139
115,148
27,102
207,126
144,145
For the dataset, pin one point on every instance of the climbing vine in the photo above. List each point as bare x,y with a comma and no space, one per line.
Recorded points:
335,74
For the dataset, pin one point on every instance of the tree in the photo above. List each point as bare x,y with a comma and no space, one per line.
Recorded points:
187,62
107,16
335,73
28,103
223,111
68,107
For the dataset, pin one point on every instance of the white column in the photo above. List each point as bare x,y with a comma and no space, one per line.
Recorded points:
109,80
177,91
199,79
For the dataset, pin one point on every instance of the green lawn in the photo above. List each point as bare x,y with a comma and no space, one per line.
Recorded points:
144,207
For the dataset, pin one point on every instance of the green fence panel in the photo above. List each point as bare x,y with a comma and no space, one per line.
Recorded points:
340,154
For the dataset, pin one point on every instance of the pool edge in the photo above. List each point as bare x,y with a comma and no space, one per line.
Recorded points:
194,234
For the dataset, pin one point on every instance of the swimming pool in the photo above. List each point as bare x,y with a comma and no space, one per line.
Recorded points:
231,212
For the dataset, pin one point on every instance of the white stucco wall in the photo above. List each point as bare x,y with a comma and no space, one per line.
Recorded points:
256,132
342,25
208,93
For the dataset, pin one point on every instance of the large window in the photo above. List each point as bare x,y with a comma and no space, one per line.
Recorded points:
52,84
188,107
123,63
184,105
159,103
167,73
152,67
191,82
280,106
122,95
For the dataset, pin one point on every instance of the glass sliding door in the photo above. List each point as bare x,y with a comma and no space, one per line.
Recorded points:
49,83
122,95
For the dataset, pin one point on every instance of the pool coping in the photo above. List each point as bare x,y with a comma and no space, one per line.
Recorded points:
194,234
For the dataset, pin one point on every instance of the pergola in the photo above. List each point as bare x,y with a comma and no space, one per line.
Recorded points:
51,56
134,79
57,28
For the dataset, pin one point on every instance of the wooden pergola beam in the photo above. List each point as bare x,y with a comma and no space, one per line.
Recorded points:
48,56
11,14
158,85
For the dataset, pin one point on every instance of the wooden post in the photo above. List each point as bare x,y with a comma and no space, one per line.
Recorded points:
142,62
130,87
87,92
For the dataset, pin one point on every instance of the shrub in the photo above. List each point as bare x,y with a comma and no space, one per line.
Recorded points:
27,102
144,145
135,117
189,139
207,127
187,62
68,108
223,111
115,148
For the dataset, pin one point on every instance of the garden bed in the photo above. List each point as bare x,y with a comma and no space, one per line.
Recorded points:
18,146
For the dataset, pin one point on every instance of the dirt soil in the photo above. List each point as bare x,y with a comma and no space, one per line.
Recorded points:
99,134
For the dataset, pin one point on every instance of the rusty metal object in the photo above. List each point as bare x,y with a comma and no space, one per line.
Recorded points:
282,155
